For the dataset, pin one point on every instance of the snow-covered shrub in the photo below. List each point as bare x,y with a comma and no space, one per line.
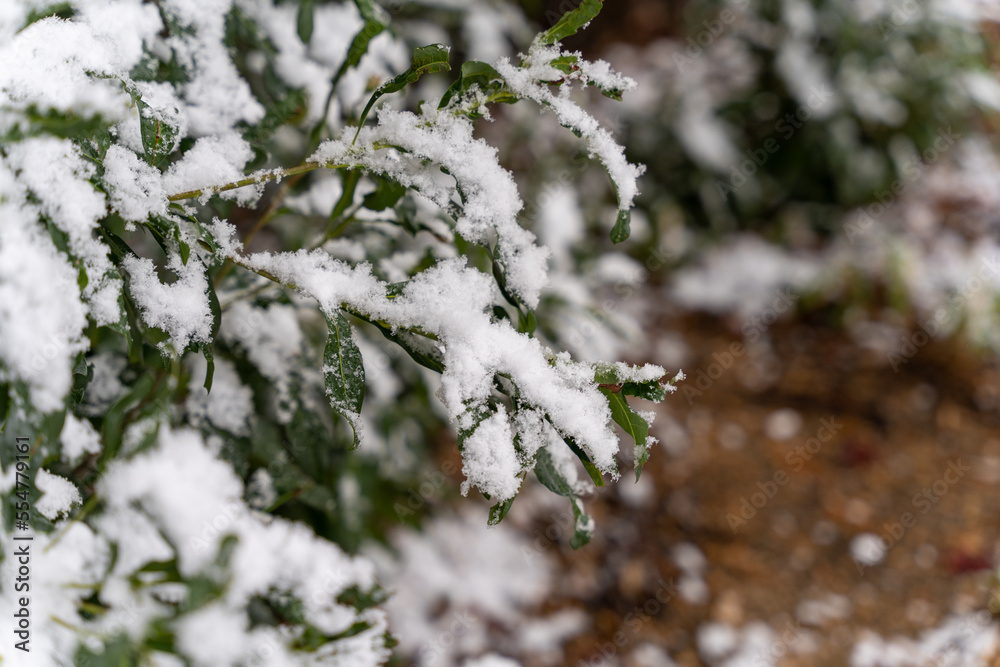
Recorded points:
213,250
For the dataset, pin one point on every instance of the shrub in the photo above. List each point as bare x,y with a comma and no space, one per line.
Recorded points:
185,352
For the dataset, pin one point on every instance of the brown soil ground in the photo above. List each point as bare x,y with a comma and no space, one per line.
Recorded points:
899,433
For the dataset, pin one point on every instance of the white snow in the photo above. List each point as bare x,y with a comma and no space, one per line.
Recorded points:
59,495
180,308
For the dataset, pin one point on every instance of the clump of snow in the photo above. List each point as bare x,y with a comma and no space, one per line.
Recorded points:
229,406
78,437
181,491
478,575
692,564
180,308
745,275
491,200
272,339
722,645
783,424
969,639
489,460
531,80
59,495
135,188
217,97
868,549
213,161
50,65
491,660
41,315
56,173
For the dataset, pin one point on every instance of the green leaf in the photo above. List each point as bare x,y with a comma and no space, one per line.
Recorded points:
588,465
206,349
553,480
344,370
480,76
159,138
4,403
634,425
499,511
649,391
565,63
620,232
425,60
387,193
304,20
572,21
375,22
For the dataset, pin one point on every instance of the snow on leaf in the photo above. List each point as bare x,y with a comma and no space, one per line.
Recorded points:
344,371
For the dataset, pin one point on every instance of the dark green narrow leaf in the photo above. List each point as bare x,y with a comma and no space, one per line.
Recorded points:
572,21
622,227
4,402
304,20
633,424
375,22
553,480
479,75
344,370
499,511
425,60
387,193
157,136
209,366
588,465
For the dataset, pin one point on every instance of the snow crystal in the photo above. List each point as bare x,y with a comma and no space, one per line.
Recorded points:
59,495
